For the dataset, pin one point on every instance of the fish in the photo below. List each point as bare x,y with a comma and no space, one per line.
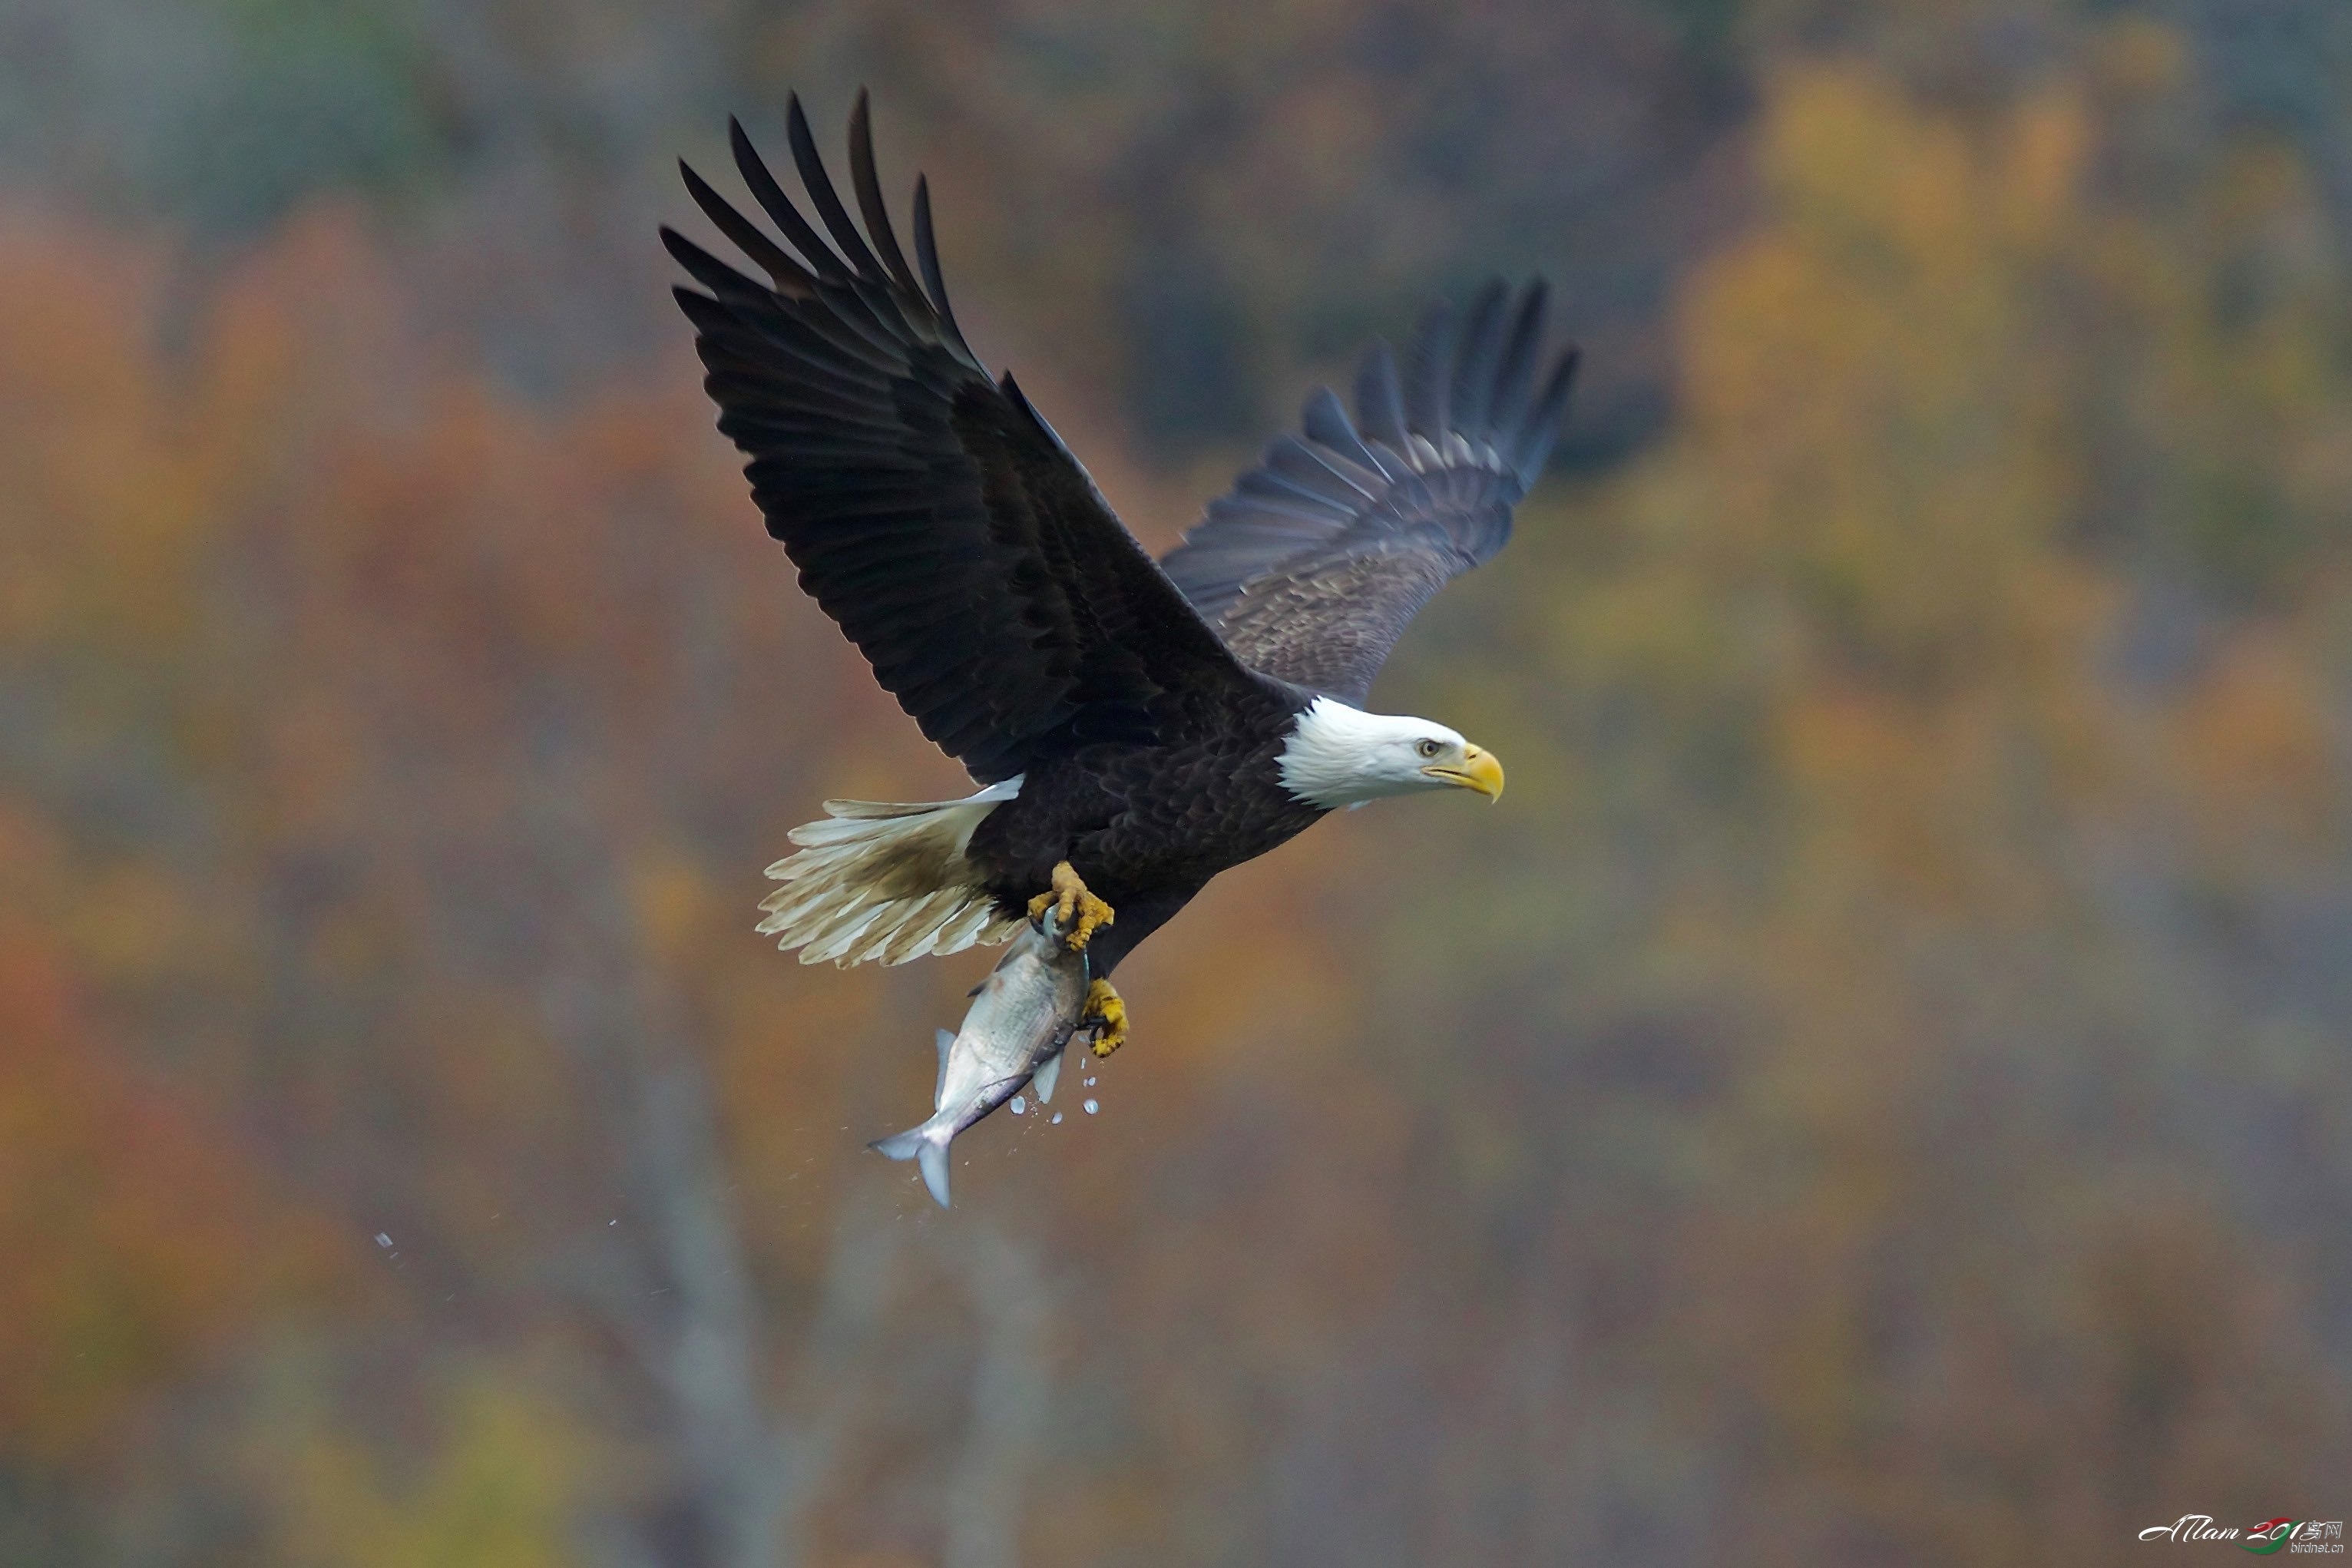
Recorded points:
1021,1018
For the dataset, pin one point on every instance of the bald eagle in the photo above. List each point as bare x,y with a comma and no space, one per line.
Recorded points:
1136,726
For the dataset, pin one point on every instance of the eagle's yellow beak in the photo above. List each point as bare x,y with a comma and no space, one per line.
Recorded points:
1479,771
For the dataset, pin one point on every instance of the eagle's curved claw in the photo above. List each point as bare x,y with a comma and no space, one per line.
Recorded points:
1079,912
1106,1013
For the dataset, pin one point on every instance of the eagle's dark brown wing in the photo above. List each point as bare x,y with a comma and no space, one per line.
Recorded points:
932,512
1314,563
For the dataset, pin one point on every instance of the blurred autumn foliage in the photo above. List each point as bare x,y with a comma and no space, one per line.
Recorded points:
1874,1092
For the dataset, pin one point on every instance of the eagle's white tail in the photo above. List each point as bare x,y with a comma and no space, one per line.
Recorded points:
881,881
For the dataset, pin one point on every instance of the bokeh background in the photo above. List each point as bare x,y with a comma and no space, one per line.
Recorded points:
1874,1093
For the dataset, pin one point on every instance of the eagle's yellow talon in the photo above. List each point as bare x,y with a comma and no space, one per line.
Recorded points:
1106,1010
1093,913
1078,910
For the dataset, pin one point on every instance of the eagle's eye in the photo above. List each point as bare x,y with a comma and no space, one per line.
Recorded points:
1429,748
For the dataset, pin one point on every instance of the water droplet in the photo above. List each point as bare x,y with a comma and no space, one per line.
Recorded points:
382,1239
1019,1105
1091,1107
1057,1119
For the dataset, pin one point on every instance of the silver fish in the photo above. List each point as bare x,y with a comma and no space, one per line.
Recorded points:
1021,1017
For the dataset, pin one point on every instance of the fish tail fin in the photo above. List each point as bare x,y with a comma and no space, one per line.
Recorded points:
927,1145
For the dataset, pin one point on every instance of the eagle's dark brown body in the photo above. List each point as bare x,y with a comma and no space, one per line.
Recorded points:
1147,827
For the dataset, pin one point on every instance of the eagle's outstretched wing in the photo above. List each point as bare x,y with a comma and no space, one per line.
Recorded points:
932,512
1314,563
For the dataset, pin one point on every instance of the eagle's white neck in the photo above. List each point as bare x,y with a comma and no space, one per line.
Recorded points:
1341,756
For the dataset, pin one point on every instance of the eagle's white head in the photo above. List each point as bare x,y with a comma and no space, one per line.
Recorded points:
1341,756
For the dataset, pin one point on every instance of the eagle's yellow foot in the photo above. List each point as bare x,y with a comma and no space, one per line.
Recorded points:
1106,1011
1078,910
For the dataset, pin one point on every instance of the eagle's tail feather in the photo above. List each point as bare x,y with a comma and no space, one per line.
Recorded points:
883,881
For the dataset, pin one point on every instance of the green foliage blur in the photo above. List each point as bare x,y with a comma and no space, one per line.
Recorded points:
1874,1092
